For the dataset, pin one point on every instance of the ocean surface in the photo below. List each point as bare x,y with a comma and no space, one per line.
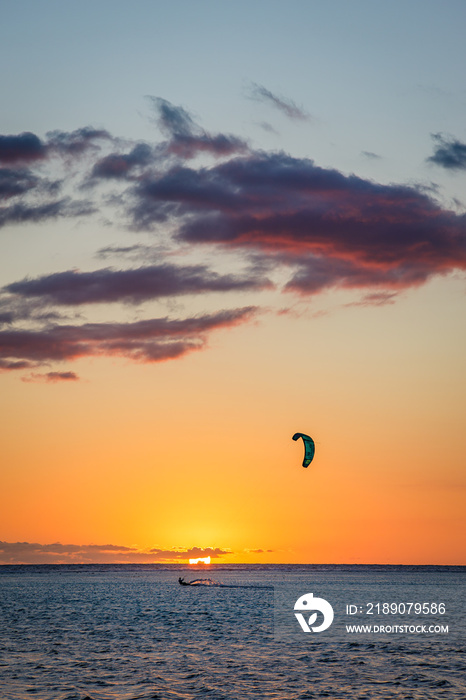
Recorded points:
127,632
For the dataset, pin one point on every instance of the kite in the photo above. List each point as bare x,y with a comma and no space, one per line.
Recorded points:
309,447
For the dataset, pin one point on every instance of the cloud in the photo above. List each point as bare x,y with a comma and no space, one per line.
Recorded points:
14,309
267,127
192,553
287,107
21,148
332,228
35,196
186,139
14,364
137,250
15,182
120,165
310,228
20,213
376,299
327,228
61,376
53,377
371,155
26,148
74,143
449,153
28,195
152,340
134,286
172,120
316,273
57,553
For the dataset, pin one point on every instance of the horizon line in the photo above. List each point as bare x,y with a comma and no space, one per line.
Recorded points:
213,564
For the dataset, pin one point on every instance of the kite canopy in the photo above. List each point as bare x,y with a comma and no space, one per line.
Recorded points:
309,447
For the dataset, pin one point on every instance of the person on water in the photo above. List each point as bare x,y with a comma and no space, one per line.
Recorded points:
182,582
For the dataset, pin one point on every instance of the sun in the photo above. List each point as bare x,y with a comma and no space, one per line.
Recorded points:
200,560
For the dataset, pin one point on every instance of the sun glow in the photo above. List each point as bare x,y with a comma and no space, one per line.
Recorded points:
201,560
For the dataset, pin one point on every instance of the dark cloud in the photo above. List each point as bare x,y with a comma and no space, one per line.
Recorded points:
333,228
21,212
449,153
318,272
186,139
136,250
61,376
219,145
7,315
74,143
376,299
192,553
15,182
14,309
18,364
27,148
120,165
53,377
172,120
35,196
287,107
151,340
21,148
35,553
57,553
181,191
135,286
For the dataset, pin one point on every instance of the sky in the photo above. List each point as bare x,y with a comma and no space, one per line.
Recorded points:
221,224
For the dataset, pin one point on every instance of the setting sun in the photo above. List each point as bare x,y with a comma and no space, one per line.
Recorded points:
200,560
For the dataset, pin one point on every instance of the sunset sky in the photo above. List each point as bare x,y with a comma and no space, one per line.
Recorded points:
223,223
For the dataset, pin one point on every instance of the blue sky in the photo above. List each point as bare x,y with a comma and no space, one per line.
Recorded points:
376,77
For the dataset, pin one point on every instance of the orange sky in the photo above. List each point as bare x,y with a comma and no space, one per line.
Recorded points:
198,452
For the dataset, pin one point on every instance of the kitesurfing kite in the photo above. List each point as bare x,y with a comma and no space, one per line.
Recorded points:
309,448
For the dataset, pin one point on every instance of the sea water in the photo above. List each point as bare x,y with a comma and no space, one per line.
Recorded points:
121,632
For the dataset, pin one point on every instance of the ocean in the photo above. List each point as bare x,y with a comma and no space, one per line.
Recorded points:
127,632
